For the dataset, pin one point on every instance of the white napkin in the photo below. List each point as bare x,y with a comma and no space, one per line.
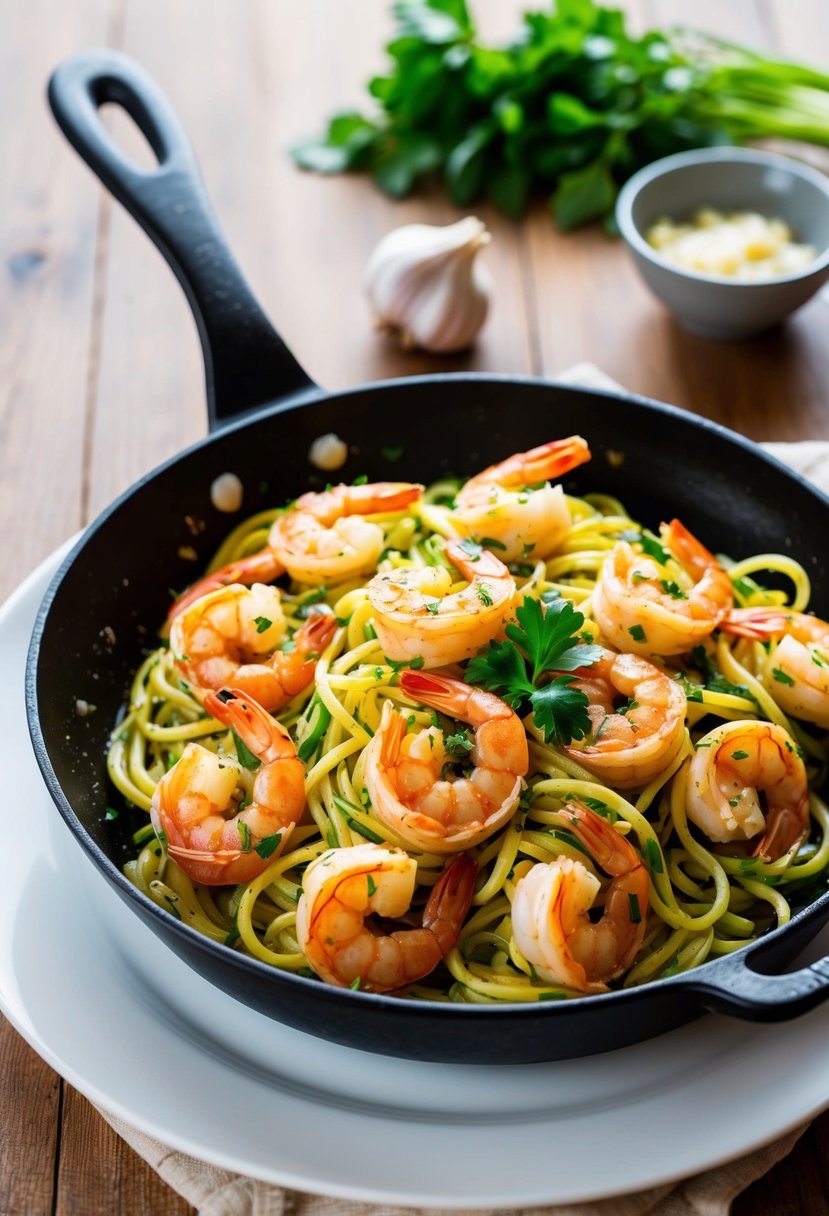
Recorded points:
217,1192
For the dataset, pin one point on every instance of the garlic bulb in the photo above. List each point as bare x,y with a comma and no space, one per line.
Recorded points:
425,283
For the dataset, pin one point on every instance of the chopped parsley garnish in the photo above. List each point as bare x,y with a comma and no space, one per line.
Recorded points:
739,755
398,664
246,756
262,623
111,813
434,607
244,835
547,640
635,912
484,596
355,984
269,844
781,677
673,589
650,545
720,684
637,633
361,480
489,542
653,856
693,692
371,884
458,745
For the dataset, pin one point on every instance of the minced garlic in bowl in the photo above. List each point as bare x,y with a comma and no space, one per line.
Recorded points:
743,245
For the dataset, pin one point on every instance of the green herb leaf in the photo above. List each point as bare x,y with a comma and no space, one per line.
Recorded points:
244,835
548,638
673,589
560,711
781,677
269,844
262,623
637,633
653,856
246,756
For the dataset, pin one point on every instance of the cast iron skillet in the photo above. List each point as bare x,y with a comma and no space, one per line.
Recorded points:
111,592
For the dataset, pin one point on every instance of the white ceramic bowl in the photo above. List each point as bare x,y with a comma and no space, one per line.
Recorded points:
729,180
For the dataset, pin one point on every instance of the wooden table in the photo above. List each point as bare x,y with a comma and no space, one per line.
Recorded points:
101,373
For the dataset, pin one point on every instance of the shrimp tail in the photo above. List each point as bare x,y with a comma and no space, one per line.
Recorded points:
689,552
610,850
441,692
760,624
313,637
785,830
480,565
266,738
553,459
262,567
379,496
450,900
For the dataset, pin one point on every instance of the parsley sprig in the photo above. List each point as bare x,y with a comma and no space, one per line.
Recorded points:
547,641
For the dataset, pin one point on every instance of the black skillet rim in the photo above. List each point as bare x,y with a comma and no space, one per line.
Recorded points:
683,982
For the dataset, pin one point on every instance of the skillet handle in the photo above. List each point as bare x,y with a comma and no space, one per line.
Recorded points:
729,985
246,362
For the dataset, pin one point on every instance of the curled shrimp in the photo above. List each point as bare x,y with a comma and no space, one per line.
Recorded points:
796,669
323,538
640,608
730,768
415,616
411,789
551,924
498,503
344,887
213,841
229,637
629,744
261,567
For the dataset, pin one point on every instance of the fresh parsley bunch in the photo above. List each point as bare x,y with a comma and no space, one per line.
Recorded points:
572,107
546,639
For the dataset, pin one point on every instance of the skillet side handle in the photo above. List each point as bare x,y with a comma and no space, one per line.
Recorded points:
246,362
730,986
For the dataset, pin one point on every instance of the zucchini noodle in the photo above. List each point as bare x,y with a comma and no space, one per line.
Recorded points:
706,899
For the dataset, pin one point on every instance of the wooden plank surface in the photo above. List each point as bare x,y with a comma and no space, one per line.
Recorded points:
100,372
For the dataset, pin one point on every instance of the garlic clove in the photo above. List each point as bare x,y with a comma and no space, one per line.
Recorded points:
425,283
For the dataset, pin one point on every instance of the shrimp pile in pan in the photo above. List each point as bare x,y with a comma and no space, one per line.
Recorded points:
481,742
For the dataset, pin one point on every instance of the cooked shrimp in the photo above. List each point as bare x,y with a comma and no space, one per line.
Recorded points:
551,924
341,890
261,567
730,768
629,745
498,504
229,637
323,538
416,617
796,670
411,790
641,609
211,839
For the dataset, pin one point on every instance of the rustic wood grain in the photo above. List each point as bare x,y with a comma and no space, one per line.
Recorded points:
101,376
100,1175
47,250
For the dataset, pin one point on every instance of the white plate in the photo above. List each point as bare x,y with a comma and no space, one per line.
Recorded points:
131,1026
